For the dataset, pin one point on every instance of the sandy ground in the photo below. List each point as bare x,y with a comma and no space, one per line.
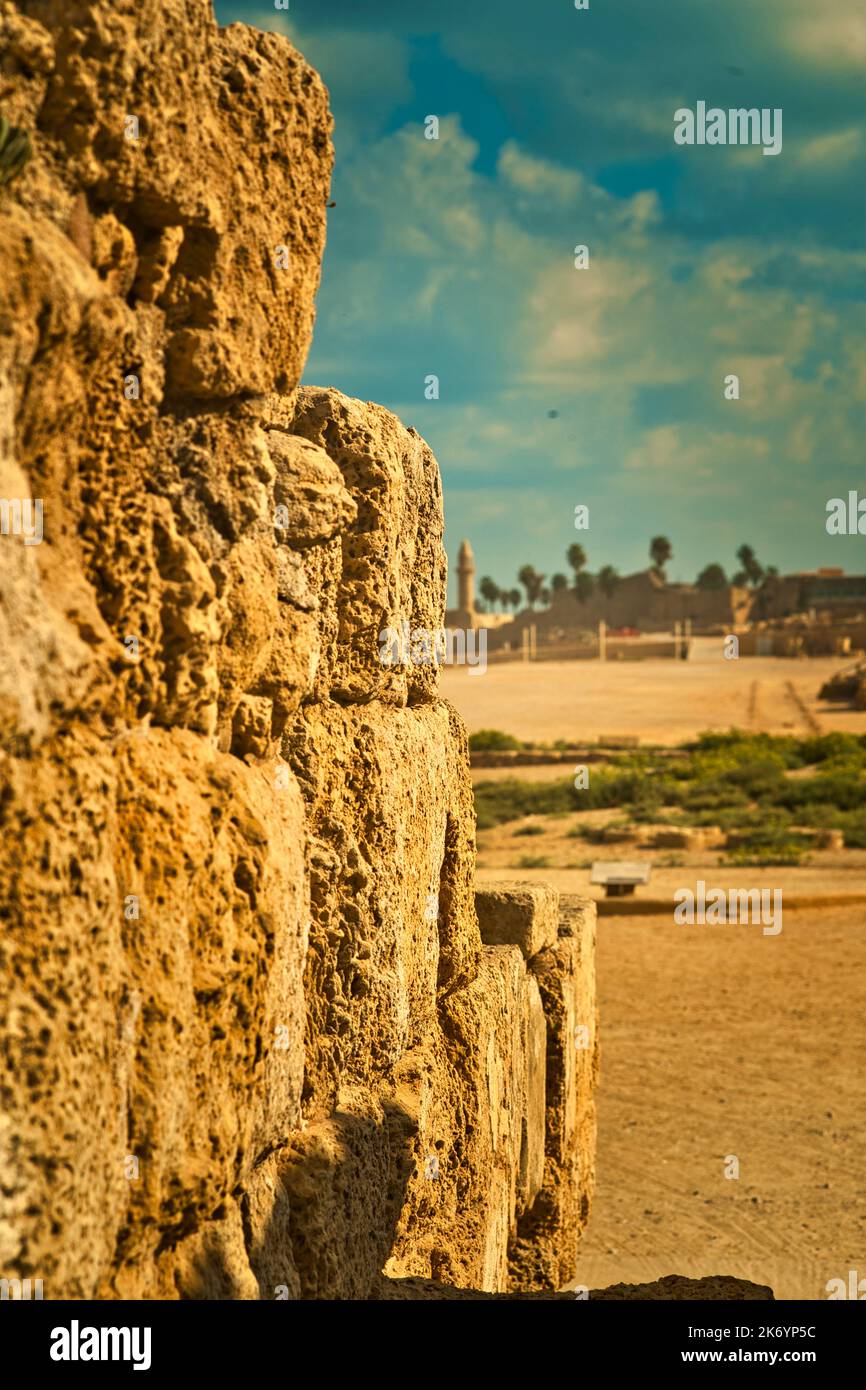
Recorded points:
663,702
719,1042
541,772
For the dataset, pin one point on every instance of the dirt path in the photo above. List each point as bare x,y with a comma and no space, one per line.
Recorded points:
802,709
665,702
719,1043
752,719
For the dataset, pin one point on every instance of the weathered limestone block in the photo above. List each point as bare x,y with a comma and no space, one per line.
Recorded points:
345,1178
393,564
150,992
519,914
64,1015
149,509
544,1253
55,657
267,1218
46,661
486,1020
212,1263
478,1129
390,863
213,854
231,161
191,623
530,1178
276,583
251,726
309,490
577,924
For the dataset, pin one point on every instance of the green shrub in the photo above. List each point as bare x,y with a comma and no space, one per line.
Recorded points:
853,826
844,790
835,748
492,741
735,780
768,843
497,802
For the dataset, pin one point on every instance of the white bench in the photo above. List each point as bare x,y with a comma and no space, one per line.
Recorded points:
619,876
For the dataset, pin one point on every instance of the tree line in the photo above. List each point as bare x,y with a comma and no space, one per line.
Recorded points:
584,584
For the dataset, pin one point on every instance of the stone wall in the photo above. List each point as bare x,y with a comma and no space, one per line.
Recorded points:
641,600
255,1042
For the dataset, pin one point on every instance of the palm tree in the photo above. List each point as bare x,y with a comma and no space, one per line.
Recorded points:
490,591
749,561
532,583
513,597
607,580
660,551
559,583
576,557
584,584
544,597
526,577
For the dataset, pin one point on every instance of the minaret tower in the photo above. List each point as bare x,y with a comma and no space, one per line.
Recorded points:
466,579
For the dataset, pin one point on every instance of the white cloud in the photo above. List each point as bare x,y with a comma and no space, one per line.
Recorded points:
827,152
673,454
834,38
539,177
479,267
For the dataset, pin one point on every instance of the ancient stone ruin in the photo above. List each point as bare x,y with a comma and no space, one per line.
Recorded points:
262,1037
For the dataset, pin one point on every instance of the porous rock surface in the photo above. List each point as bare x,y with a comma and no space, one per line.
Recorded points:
255,1044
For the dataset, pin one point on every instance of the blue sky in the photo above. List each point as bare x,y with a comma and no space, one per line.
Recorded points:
602,386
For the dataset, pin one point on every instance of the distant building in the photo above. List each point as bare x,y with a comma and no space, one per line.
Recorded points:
643,600
822,590
465,615
646,601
